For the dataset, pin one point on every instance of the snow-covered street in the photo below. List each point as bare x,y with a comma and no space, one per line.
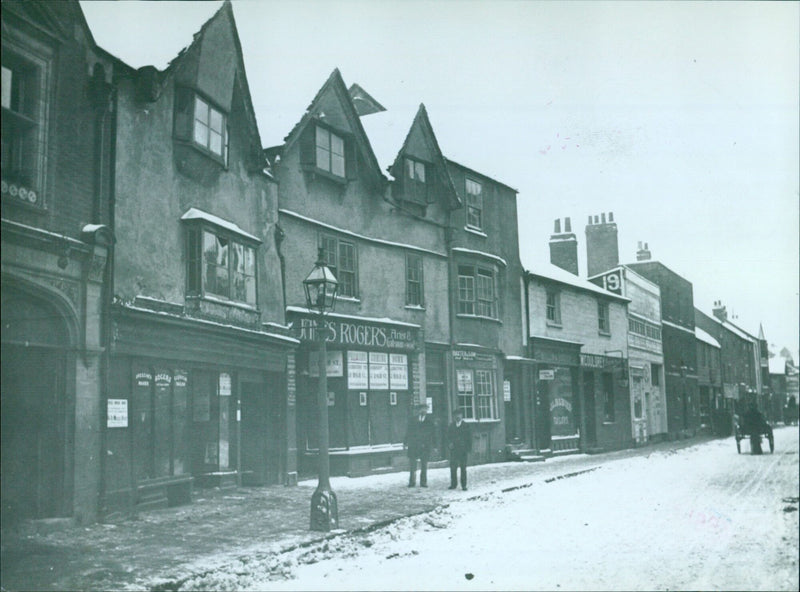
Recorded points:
704,517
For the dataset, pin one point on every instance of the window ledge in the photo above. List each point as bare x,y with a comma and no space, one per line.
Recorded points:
212,156
555,325
473,230
415,307
604,333
462,315
225,301
481,421
609,422
348,299
316,171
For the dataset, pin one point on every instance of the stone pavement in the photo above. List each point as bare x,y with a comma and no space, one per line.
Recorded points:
160,548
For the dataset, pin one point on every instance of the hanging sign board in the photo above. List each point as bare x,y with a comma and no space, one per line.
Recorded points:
547,374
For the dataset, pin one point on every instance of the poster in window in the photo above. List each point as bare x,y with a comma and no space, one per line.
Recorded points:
357,370
334,368
224,384
507,391
117,413
464,380
378,371
398,371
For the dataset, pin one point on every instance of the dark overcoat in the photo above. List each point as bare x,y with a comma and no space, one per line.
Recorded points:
419,437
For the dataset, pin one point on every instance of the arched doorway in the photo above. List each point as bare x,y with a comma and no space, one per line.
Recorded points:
35,348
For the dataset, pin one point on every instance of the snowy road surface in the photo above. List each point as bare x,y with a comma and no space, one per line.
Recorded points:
700,518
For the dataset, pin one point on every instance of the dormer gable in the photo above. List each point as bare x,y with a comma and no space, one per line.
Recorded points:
331,140
420,171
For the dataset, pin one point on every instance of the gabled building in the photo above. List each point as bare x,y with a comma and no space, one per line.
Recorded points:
202,371
57,105
714,414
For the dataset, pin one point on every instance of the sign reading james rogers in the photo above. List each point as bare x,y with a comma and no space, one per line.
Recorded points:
353,333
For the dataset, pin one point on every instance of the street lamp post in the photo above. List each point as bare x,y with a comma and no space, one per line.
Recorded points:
320,288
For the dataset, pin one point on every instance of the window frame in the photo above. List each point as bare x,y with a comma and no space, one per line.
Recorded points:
197,280
473,204
603,318
333,248
475,283
328,149
555,306
26,125
415,286
415,190
479,401
187,121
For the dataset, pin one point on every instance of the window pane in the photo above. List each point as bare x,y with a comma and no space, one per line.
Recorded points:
323,159
222,251
222,287
323,138
419,170
237,257
201,134
201,111
410,168
337,145
215,143
250,290
7,77
337,165
466,390
215,120
249,261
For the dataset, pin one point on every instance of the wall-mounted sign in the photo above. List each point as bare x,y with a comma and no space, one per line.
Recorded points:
360,333
613,282
117,413
378,371
592,361
334,366
547,374
224,384
357,370
392,398
291,381
398,371
506,391
362,398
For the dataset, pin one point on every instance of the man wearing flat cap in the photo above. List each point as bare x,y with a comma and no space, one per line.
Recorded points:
418,442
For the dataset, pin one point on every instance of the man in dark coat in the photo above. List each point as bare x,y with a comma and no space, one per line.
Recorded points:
419,441
458,445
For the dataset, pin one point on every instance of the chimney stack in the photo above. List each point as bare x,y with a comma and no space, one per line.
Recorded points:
720,311
642,254
602,251
564,247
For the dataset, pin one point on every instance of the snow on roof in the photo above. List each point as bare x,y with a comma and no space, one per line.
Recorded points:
387,133
196,214
553,272
146,20
705,337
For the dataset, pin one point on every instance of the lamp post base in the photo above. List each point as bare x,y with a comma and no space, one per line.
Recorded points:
324,509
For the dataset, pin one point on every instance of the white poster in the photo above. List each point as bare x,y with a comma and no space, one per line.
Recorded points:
398,371
357,370
335,367
117,413
378,371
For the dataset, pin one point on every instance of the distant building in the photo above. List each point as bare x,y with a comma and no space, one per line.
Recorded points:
713,410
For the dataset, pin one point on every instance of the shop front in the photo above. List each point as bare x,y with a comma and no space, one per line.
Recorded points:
606,395
193,405
558,416
373,377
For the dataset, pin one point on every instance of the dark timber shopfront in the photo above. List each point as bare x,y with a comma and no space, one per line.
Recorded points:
373,370
194,404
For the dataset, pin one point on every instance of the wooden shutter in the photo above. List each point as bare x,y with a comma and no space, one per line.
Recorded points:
183,113
308,154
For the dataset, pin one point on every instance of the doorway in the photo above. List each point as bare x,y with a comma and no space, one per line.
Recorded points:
589,408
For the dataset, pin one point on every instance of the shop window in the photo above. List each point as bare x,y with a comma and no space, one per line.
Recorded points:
474,204
553,306
476,394
202,124
603,325
655,374
341,258
609,413
24,137
414,285
220,265
476,293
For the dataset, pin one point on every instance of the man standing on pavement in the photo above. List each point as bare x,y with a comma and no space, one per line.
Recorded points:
418,441
458,445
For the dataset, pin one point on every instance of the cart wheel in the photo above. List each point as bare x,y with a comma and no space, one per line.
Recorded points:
771,443
738,446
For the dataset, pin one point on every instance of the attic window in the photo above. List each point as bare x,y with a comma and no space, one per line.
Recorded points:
201,123
416,186
330,152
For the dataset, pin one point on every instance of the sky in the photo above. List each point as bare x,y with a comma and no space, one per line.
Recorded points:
681,118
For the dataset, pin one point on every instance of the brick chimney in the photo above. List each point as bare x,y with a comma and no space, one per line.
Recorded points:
643,253
602,252
564,247
720,311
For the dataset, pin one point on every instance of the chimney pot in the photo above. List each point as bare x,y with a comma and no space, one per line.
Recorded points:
597,219
557,226
603,217
611,216
567,225
590,220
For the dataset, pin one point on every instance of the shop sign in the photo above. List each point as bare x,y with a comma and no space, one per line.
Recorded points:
547,374
117,413
224,384
143,379
613,282
351,332
334,367
398,371
592,361
291,381
163,380
357,370
378,371
460,354
506,391
180,378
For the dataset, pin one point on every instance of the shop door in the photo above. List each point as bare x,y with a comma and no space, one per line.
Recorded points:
542,415
255,432
33,441
591,412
